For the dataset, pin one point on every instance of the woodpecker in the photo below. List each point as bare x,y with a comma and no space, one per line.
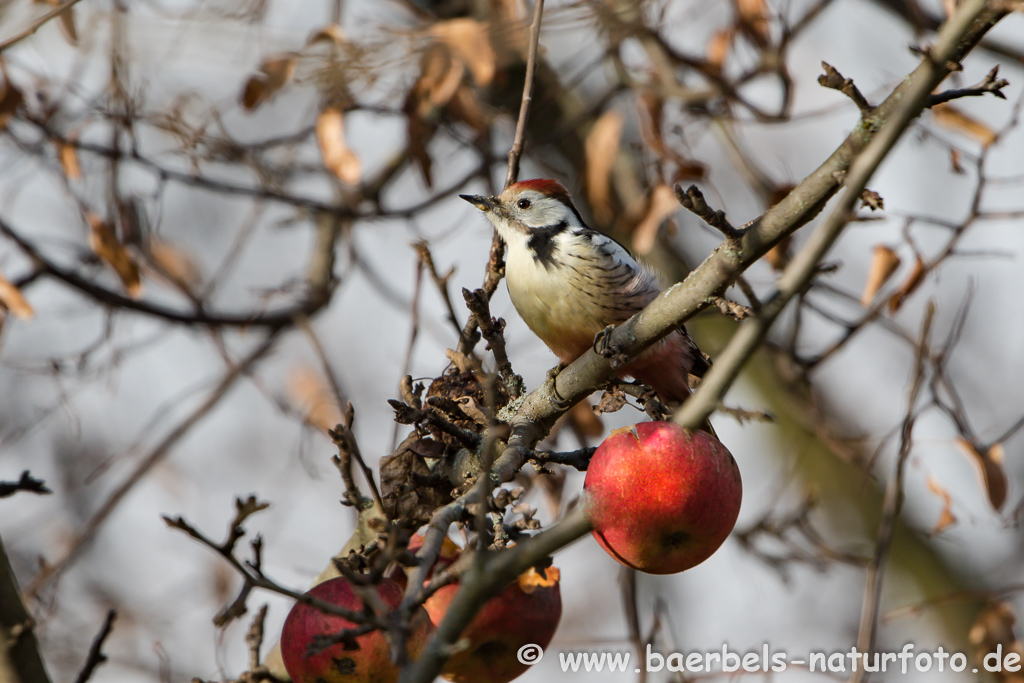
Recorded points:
569,283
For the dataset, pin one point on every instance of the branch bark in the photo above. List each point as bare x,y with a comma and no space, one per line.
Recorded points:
20,661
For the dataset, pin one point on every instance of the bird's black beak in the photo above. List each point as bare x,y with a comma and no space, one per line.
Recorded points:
481,202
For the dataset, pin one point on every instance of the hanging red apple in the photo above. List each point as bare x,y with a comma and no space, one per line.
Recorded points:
526,612
369,663
661,498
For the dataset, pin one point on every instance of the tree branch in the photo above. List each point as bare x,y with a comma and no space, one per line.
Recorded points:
37,24
496,261
20,660
25,483
96,656
524,107
88,530
911,98
893,501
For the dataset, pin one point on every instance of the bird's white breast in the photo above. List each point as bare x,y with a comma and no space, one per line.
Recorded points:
567,299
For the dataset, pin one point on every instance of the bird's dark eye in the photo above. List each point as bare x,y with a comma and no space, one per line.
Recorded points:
523,203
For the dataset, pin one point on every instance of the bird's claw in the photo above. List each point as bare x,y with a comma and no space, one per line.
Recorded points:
556,398
604,347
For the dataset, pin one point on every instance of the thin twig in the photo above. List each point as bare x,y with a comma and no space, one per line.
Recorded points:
25,483
991,84
88,530
96,656
37,24
254,637
892,503
496,261
916,608
516,150
913,95
835,80
692,199
493,333
252,573
579,459
440,281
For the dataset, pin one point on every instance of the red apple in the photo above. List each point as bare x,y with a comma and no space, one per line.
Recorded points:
335,664
661,498
526,612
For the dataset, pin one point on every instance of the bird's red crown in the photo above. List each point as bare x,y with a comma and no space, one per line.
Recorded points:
552,188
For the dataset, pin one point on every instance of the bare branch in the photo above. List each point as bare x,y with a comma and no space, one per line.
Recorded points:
88,530
37,24
496,261
897,112
692,199
989,84
579,459
524,108
893,501
19,647
96,656
834,80
25,483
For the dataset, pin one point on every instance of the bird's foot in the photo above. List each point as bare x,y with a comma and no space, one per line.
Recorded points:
606,348
556,398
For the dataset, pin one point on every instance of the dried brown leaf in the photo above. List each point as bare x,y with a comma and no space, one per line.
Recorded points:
585,421
12,299
66,19
688,171
440,77
753,18
10,99
661,204
990,469
468,40
719,47
883,264
531,579
174,263
651,107
946,517
908,287
274,73
465,106
612,400
419,134
872,200
69,160
313,397
954,161
601,148
405,496
105,244
331,33
779,255
951,117
440,80
338,158
994,628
